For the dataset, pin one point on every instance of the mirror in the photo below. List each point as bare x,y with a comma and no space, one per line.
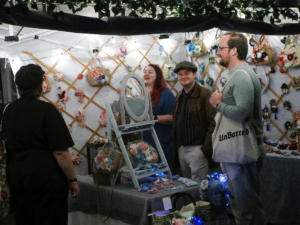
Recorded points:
135,97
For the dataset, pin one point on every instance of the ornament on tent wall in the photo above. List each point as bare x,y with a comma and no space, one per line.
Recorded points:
58,77
284,88
272,69
80,115
287,105
266,117
139,67
76,160
69,126
63,96
46,84
262,53
103,120
223,81
201,68
283,40
80,76
274,108
296,116
210,81
287,125
128,68
161,49
123,52
59,107
80,95
296,83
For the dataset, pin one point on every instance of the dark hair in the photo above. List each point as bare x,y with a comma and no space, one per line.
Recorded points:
159,84
31,93
238,41
29,81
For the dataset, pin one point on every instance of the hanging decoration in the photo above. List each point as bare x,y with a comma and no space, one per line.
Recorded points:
123,52
284,88
80,114
197,47
80,76
288,57
59,107
262,53
223,81
296,116
274,108
46,84
80,94
283,40
287,105
287,125
69,126
128,68
272,69
295,83
161,49
139,67
76,160
266,116
63,96
103,120
98,75
210,81
58,77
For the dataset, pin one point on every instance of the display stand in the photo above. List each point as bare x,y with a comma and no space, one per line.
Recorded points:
140,123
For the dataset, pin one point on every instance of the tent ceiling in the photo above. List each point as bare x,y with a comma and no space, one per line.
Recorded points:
137,26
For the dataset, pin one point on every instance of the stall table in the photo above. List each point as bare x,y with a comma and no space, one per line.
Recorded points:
280,185
126,202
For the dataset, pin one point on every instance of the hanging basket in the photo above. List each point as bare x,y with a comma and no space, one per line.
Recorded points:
263,53
108,159
196,48
98,75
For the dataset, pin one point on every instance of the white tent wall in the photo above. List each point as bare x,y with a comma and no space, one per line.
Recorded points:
69,54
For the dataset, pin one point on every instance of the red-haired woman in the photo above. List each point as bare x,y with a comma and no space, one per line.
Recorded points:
163,102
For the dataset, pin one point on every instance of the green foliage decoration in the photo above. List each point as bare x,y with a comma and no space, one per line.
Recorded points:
256,10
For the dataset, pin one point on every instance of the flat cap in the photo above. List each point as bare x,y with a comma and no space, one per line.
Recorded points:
185,65
29,76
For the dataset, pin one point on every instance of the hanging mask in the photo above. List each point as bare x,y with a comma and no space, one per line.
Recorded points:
287,125
287,105
284,88
274,108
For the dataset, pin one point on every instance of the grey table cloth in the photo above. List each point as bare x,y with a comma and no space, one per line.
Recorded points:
127,203
280,189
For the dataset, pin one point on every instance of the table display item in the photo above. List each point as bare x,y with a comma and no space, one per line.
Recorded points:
141,152
108,161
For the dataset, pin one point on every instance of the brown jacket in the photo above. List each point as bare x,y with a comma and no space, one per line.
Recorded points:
202,114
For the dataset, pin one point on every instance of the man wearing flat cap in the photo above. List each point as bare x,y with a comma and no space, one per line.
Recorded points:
193,125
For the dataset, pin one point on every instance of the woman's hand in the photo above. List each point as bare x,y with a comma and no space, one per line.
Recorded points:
74,188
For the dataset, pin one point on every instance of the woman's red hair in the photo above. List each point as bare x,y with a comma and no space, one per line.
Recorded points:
159,84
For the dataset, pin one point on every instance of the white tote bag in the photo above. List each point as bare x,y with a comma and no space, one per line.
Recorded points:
234,142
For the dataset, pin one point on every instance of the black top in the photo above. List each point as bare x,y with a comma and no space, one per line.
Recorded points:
34,124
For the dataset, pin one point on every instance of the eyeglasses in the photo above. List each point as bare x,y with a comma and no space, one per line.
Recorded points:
219,47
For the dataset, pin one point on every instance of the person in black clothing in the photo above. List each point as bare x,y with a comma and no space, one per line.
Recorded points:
39,165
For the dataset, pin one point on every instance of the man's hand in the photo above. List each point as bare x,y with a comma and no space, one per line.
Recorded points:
216,98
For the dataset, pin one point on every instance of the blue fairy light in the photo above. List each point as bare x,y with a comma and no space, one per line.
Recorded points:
196,221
